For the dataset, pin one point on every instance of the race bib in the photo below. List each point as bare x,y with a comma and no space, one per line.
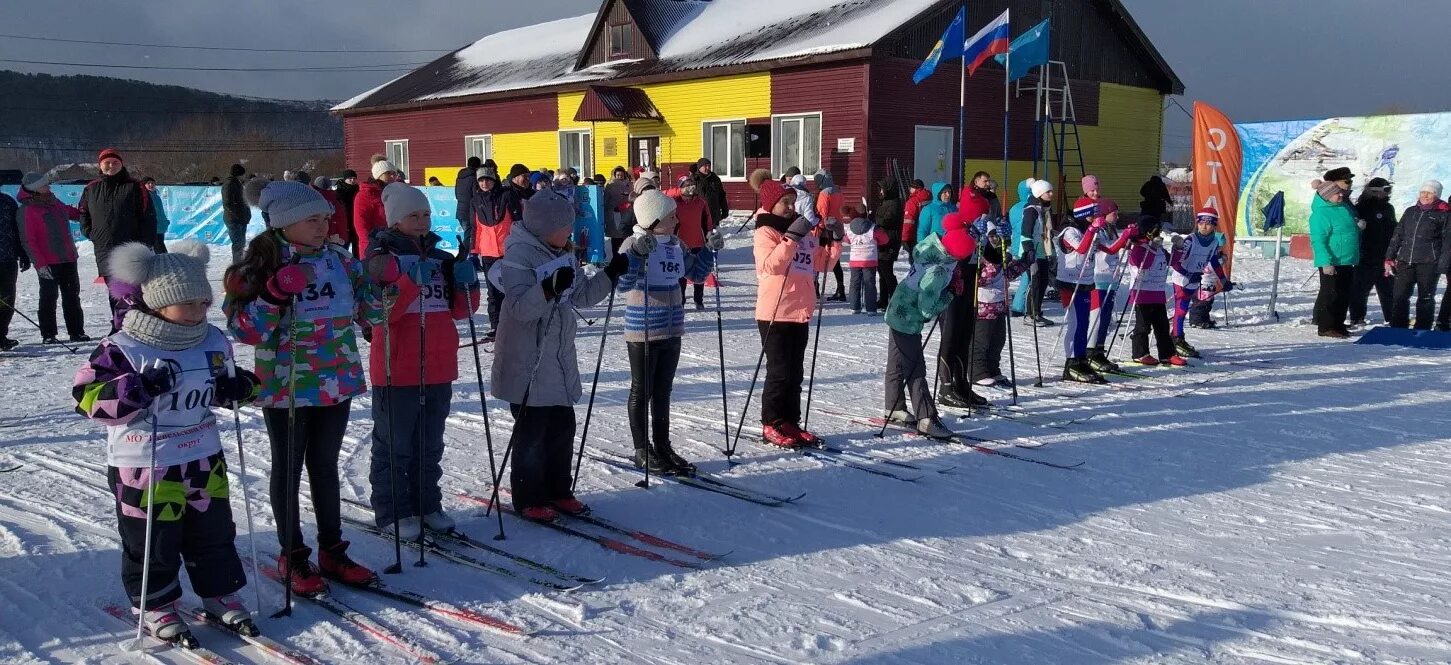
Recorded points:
432,296
804,260
666,264
330,294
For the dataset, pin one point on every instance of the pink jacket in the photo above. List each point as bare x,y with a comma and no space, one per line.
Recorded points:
45,229
786,275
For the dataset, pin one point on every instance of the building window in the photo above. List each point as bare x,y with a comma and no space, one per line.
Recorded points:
480,145
397,152
575,150
725,147
796,142
620,37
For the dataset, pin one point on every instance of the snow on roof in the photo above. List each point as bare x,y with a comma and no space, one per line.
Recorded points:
689,34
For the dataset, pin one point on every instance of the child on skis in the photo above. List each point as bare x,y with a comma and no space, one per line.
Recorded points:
787,252
535,368
1077,249
295,297
655,322
929,287
1148,278
864,241
995,271
426,290
1193,255
154,384
1106,278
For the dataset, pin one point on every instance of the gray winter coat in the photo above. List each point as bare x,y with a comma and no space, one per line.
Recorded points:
530,321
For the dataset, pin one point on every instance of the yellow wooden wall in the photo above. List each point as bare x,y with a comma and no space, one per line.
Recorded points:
1123,150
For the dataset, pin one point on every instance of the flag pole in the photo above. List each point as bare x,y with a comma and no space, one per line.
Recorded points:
961,116
1007,82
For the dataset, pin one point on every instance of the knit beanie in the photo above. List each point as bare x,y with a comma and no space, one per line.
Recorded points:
1040,187
703,161
400,200
286,202
166,279
322,182
798,181
347,173
1084,208
654,206
644,183
547,212
771,192
518,170
973,207
383,166
955,239
489,172
1090,182
33,181
1210,214
108,153
1432,186
1326,188
1106,207
238,170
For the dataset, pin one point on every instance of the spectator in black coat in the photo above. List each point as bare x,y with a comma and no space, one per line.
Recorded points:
710,188
888,217
1417,256
235,211
1157,202
115,210
464,187
1377,219
13,261
346,190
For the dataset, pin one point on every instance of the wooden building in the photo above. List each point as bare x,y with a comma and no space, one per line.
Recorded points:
764,84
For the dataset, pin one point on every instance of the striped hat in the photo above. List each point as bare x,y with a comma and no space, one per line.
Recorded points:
1084,208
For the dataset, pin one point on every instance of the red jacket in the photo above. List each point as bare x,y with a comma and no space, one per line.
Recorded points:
440,358
368,215
339,225
694,216
910,210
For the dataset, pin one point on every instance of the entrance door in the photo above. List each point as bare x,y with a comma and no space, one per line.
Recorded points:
645,151
932,154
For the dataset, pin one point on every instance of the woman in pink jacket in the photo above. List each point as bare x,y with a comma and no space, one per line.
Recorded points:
787,253
45,231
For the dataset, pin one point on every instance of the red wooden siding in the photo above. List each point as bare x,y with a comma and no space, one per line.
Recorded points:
839,92
436,136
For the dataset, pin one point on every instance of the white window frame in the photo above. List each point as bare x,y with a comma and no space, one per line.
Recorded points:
402,145
777,120
707,145
585,140
488,143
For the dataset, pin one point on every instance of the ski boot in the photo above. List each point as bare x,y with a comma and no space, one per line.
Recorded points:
779,435
679,466
300,574
1177,361
439,521
658,465
1184,348
933,428
901,417
7,344
539,514
1002,381
165,623
49,340
1147,360
570,506
1207,324
1099,361
81,338
1078,370
409,529
229,611
334,562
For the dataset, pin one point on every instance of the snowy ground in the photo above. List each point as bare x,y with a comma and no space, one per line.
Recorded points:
1287,511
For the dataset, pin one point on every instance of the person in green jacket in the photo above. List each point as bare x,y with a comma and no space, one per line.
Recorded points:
929,221
1335,240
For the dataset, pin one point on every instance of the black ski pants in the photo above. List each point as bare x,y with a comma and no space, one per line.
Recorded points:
907,370
652,376
1369,277
784,344
886,274
496,297
64,284
1152,317
987,348
1333,301
1422,277
954,353
543,444
9,272
319,439
1038,281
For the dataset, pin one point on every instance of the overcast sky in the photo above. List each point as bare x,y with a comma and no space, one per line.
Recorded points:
1271,59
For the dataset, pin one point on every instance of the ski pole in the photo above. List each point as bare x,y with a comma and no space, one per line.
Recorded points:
1008,320
139,643
648,398
811,380
294,475
972,320
1033,272
397,566
594,385
420,427
907,378
242,473
730,451
32,322
479,366
1133,283
725,419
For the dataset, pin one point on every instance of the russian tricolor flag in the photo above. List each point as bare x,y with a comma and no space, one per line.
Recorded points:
993,39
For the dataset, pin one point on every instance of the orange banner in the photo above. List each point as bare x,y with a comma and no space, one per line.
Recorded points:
1218,164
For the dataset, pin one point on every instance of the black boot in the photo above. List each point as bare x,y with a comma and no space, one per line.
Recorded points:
949,398
1077,369
1099,361
679,465
1184,349
657,465
964,390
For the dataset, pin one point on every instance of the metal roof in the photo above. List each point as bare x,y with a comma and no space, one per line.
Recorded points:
613,104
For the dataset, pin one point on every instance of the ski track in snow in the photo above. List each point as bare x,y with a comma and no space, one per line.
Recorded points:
1285,504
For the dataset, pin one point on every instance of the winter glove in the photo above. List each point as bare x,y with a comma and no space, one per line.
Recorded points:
979,229
558,282
715,240
422,271
290,280
1390,268
640,245
1003,228
157,380
1361,224
1328,271
24,264
234,389
1097,224
617,266
1228,286
799,228
465,275
385,269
